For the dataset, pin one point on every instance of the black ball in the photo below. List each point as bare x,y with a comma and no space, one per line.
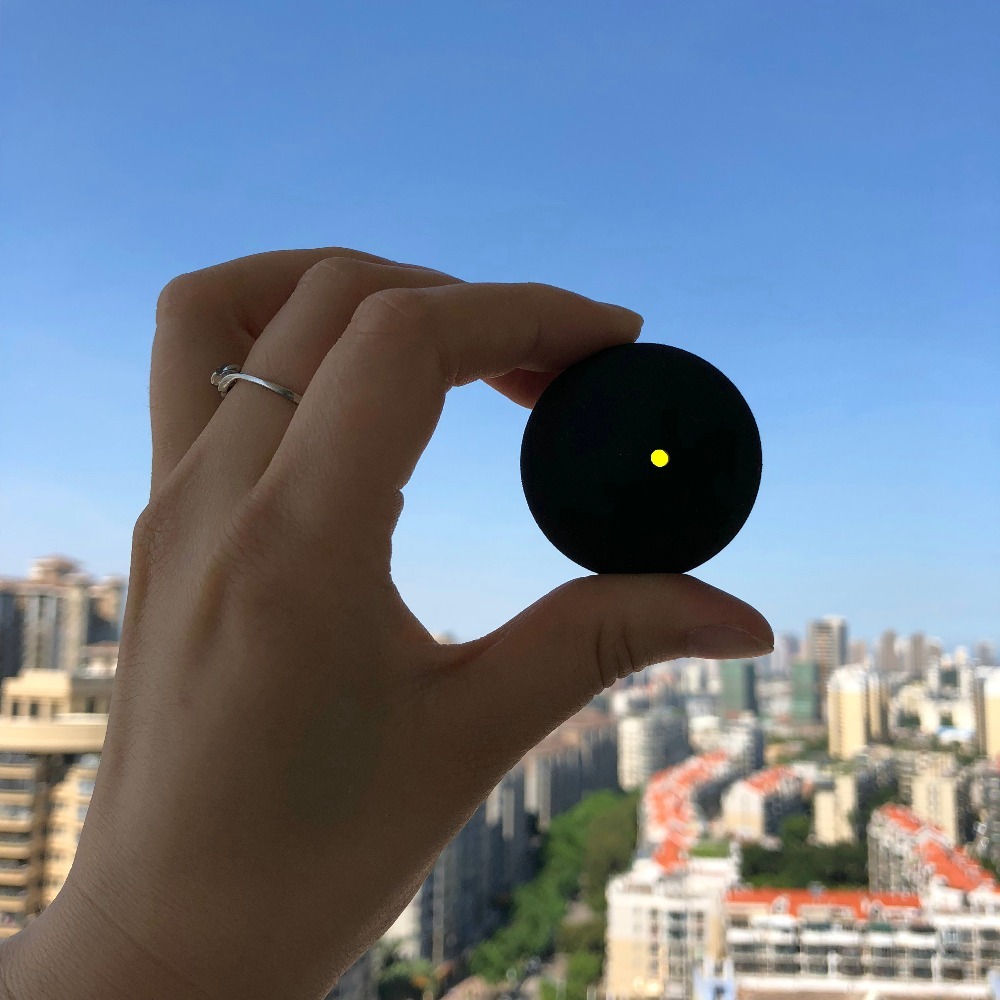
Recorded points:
642,458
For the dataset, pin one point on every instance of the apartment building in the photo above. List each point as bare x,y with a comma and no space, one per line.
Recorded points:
678,802
648,742
577,758
986,710
940,796
664,914
838,935
754,808
841,795
857,710
47,618
905,854
52,728
985,798
662,925
508,833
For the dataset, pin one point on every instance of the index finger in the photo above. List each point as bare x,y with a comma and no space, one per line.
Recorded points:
377,396
209,318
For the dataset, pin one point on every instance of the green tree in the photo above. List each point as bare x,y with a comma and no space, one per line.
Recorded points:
796,829
608,849
414,979
538,907
798,862
582,969
586,936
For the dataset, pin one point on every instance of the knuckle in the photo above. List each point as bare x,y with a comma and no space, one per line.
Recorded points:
403,318
614,653
153,531
388,306
184,294
342,274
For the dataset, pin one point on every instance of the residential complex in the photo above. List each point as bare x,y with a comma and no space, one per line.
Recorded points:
680,922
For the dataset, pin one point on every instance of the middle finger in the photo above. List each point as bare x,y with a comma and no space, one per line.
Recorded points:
250,422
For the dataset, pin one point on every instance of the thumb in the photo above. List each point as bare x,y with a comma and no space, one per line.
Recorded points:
556,655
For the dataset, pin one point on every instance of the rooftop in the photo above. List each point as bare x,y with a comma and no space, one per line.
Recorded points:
769,781
669,808
857,900
933,847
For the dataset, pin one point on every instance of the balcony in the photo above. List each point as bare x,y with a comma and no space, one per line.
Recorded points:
780,937
831,938
17,784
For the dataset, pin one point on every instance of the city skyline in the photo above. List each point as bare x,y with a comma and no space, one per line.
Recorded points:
811,209
800,637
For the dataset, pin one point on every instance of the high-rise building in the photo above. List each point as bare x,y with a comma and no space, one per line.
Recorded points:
508,832
857,709
11,629
807,695
840,798
986,654
877,715
887,663
52,729
54,614
786,651
827,646
647,743
857,651
917,652
986,706
940,795
449,911
579,757
739,688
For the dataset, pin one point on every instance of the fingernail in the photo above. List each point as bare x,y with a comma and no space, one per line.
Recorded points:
633,317
716,642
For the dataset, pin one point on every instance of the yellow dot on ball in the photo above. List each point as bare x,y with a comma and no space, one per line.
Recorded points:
659,458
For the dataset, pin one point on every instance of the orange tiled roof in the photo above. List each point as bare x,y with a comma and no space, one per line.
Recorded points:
668,805
957,869
769,781
859,901
902,817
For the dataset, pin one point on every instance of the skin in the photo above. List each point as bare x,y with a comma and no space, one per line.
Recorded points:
288,748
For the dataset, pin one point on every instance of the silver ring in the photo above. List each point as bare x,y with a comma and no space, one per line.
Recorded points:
225,376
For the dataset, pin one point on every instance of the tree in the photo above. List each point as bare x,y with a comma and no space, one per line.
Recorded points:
585,936
796,829
608,850
538,906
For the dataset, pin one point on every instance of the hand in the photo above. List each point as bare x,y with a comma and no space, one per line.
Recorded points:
288,748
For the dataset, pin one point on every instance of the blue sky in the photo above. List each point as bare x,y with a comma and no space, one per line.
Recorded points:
805,194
